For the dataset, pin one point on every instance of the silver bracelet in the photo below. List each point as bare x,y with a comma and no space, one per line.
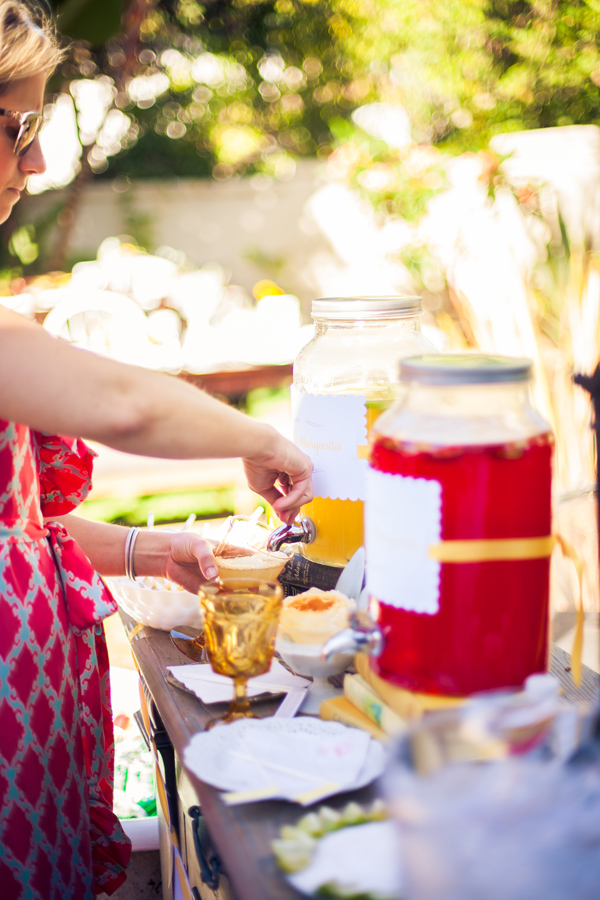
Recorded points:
129,547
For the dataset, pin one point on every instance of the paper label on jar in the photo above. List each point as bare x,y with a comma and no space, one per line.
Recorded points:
332,430
402,520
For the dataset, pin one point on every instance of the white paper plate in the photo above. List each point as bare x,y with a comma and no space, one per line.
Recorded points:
205,755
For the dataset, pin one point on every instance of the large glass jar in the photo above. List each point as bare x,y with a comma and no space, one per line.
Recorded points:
458,526
343,379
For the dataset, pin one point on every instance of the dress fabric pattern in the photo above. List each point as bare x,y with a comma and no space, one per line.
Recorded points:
59,839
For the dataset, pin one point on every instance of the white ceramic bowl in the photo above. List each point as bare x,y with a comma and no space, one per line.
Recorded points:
305,659
158,609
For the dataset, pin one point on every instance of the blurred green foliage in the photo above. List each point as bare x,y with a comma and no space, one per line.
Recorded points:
220,89
227,88
88,20
466,70
260,402
173,507
251,84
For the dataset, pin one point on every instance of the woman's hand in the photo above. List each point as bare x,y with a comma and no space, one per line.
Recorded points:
282,476
189,560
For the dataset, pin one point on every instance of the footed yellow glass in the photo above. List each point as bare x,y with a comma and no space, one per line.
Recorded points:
241,616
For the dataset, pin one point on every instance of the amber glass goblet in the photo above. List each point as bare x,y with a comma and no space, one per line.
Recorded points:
240,623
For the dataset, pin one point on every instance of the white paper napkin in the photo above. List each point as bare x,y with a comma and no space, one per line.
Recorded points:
362,859
296,759
213,688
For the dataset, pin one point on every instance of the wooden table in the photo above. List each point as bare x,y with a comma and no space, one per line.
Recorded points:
234,383
241,835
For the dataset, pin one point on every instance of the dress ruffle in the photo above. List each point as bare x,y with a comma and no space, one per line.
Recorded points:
111,848
88,599
65,472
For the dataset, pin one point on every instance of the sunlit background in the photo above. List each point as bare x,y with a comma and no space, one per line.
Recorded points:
315,149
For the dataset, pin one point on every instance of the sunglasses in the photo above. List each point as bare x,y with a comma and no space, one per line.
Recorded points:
29,124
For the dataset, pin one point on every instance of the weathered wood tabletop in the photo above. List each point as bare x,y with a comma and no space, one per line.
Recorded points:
242,834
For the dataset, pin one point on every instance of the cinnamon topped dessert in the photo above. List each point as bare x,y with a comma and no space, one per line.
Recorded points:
314,616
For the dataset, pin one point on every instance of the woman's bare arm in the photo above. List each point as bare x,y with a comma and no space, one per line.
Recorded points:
53,387
182,557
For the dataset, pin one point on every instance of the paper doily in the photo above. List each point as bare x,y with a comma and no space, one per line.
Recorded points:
207,753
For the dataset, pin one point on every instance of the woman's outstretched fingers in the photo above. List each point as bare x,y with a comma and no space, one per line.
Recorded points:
190,560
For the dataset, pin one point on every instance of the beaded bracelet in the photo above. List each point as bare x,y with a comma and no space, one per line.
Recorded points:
129,547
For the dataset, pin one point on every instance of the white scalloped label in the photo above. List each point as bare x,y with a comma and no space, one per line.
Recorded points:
402,519
332,430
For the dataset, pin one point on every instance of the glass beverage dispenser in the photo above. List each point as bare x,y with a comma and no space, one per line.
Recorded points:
343,380
458,527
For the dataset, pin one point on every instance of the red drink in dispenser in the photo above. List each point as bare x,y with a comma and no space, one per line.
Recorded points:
458,528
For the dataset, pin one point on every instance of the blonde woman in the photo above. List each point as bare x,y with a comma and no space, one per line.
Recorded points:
59,839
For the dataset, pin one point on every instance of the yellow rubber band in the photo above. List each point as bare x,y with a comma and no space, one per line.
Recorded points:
183,879
577,650
233,797
519,548
319,793
492,550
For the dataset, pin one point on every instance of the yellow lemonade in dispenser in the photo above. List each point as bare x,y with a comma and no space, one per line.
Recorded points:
339,523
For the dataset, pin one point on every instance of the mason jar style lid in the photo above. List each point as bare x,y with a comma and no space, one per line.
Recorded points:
362,308
464,368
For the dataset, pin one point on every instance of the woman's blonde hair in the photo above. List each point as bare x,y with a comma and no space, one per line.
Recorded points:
28,43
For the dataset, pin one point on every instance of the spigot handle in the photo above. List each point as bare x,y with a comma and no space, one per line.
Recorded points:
368,632
363,636
302,531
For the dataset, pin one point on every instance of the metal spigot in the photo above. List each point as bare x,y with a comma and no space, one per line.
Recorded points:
302,531
363,636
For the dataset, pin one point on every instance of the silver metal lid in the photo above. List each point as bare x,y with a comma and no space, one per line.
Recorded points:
464,368
361,308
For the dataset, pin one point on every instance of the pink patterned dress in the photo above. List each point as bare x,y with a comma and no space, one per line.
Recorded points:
59,838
